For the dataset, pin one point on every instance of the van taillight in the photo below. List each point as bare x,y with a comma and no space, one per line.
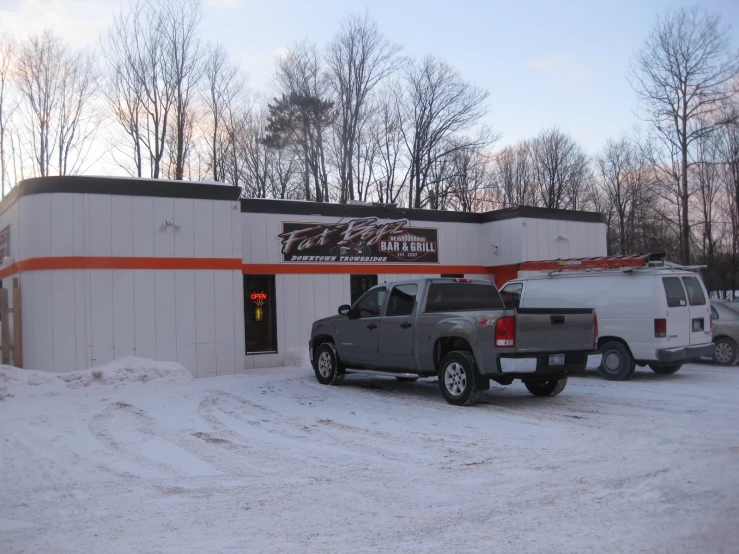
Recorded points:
660,327
505,331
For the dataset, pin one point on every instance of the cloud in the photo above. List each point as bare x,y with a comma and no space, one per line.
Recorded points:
78,21
571,76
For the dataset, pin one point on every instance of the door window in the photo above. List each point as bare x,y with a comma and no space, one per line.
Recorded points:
511,294
674,292
260,317
714,314
695,291
370,304
402,300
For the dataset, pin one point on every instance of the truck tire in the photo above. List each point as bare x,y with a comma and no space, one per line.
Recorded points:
458,378
724,351
617,363
552,387
327,366
665,369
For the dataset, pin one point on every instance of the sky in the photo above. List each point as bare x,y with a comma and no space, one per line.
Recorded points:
544,63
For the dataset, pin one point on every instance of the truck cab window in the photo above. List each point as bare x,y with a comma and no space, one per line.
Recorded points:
402,300
370,304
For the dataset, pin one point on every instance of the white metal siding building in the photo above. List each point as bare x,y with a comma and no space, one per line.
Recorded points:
112,267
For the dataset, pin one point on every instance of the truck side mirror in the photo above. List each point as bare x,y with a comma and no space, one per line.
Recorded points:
345,309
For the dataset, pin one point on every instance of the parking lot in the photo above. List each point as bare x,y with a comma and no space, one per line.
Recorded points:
271,461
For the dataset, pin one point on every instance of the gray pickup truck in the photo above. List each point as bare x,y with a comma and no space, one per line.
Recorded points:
458,330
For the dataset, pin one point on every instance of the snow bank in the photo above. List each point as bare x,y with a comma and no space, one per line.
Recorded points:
297,357
128,370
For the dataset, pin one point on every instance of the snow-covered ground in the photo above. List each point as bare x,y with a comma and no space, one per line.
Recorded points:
139,458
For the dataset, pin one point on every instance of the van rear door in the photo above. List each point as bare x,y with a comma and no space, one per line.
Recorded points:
700,322
678,312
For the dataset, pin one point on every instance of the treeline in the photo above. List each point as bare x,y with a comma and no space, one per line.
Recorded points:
356,119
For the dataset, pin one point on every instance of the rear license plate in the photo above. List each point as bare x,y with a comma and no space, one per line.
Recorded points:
556,359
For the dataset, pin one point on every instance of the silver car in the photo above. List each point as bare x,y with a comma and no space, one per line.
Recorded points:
725,317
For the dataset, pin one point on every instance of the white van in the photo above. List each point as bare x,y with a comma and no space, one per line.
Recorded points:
656,316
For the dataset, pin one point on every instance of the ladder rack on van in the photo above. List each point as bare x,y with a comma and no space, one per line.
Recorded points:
624,263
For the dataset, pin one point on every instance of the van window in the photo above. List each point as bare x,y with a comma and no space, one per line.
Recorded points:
674,291
695,292
511,294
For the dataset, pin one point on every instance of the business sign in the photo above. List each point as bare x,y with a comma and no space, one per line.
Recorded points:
4,243
361,240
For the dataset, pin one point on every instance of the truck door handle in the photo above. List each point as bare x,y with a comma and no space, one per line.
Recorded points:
405,325
557,319
371,326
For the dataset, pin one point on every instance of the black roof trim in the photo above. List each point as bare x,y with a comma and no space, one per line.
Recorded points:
531,212
326,209
120,186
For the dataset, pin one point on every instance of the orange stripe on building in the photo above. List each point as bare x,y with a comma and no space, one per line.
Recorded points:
118,262
57,263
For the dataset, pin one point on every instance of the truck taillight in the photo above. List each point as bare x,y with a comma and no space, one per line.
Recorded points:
505,331
660,327
595,321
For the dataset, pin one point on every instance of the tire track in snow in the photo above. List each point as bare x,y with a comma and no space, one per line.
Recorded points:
210,455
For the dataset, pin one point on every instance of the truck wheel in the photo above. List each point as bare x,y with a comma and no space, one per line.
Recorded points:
552,387
617,363
665,369
458,379
327,365
724,351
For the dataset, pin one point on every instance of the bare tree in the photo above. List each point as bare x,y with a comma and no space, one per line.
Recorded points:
626,178
728,149
681,75
140,89
302,117
224,86
358,58
560,169
437,105
391,175
38,77
471,184
7,52
76,121
514,183
181,19
57,88
706,174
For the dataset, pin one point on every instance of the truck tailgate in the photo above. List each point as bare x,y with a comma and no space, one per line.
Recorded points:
554,330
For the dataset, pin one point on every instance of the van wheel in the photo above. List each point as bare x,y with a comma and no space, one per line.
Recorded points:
617,363
665,369
724,351
552,387
327,366
458,379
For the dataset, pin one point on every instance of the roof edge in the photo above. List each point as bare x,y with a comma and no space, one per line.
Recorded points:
119,186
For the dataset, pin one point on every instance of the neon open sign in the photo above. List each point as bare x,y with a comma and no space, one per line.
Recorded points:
259,298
